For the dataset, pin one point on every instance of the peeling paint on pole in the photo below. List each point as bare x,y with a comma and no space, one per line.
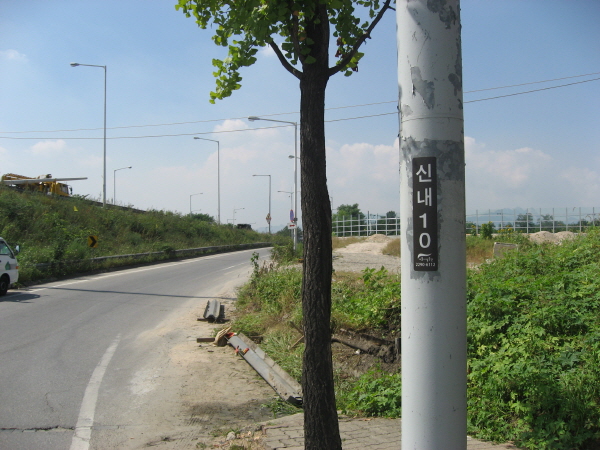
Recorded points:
432,205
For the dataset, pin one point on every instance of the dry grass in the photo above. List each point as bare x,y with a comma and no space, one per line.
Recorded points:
392,248
478,250
341,242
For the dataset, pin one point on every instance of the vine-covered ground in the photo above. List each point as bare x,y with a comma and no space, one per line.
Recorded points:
533,340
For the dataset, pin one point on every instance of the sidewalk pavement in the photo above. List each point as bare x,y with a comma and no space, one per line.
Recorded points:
365,434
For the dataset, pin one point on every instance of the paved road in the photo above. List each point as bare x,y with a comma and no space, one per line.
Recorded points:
68,349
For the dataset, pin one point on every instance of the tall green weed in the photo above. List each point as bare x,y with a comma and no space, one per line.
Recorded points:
374,302
534,346
375,393
55,230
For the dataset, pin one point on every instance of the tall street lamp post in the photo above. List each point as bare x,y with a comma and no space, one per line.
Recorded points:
191,195
218,176
239,209
252,119
291,197
269,216
115,183
104,171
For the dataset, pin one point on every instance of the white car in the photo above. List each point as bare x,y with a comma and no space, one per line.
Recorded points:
9,267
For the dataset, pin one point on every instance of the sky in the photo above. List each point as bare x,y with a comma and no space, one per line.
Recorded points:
535,150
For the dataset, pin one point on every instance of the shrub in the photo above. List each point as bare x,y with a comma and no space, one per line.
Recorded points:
373,303
534,346
487,230
376,393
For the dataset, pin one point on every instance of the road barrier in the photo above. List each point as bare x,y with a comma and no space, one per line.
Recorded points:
171,253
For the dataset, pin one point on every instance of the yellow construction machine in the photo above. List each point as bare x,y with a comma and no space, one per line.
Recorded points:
44,183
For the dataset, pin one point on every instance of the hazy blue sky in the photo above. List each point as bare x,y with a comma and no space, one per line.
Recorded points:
534,150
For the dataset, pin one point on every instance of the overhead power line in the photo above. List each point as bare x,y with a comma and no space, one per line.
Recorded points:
534,82
534,90
280,126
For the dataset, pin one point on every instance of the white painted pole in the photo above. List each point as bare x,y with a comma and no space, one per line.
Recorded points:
432,199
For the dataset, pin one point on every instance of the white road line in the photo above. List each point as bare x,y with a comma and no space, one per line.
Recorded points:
85,421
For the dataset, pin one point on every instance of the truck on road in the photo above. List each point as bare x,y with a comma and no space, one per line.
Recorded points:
9,267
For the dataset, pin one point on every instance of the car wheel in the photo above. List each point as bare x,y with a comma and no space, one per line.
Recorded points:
4,283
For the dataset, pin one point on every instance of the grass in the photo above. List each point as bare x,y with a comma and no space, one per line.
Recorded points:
55,230
341,242
533,339
534,346
479,250
392,248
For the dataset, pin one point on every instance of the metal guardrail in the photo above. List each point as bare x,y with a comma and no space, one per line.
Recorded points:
183,252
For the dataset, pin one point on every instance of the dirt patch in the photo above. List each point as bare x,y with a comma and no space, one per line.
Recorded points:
542,237
360,255
188,395
350,363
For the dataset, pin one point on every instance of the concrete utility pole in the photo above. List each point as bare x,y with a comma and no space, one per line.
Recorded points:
432,199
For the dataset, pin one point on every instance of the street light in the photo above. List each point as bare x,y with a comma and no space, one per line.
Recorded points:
239,209
104,172
291,198
269,216
191,195
252,119
115,183
218,176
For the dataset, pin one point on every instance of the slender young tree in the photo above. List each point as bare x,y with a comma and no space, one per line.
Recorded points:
305,28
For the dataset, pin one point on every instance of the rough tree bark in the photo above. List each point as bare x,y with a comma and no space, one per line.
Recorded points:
321,429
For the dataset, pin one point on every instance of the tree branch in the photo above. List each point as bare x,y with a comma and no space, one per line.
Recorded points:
284,62
294,36
367,34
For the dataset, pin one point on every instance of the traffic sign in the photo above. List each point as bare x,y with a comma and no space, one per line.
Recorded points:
92,241
292,216
291,226
269,218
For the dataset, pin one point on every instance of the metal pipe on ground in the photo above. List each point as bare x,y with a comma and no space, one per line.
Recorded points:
270,371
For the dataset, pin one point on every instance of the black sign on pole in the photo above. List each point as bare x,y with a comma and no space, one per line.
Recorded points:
425,226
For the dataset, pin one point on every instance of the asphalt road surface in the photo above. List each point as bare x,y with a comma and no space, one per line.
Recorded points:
70,351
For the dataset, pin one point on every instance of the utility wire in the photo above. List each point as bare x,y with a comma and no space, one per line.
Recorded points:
533,82
280,126
283,114
534,90
280,114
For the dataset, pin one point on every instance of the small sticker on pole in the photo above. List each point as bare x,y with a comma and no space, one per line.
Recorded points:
425,226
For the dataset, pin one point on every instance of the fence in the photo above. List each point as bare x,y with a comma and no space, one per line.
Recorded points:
532,220
529,220
366,225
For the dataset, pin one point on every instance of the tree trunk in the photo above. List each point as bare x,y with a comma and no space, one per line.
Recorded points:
321,429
